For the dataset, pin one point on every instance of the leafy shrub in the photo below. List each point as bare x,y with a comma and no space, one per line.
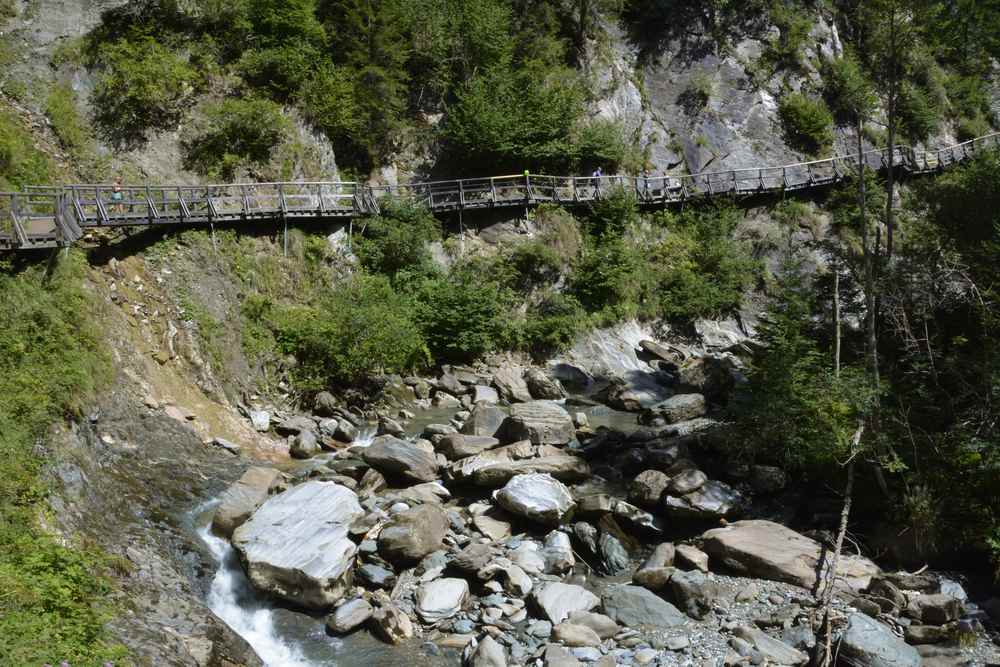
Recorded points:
329,102
237,132
699,90
846,88
143,85
613,214
560,231
969,128
699,269
553,324
462,314
60,107
807,121
361,328
607,279
281,70
793,25
21,163
55,604
396,240
918,117
533,263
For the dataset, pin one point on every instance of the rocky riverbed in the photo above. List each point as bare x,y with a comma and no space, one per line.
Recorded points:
488,518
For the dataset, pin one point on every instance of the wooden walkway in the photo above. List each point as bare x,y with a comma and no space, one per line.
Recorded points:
48,217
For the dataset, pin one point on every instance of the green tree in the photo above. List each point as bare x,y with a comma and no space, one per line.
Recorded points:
237,133
396,240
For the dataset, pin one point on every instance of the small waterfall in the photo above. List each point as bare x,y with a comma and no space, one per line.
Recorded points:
366,434
234,600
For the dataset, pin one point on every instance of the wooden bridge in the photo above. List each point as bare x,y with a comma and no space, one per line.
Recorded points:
48,217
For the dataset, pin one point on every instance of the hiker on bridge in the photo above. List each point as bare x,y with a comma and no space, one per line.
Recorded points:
117,196
596,176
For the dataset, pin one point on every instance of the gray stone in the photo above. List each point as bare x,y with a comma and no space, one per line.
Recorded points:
325,404
541,422
714,500
492,527
528,556
376,576
304,445
771,551
493,468
634,606
543,386
239,501
679,408
515,580
260,420
614,557
558,553
390,623
441,599
459,446
482,394
540,629
509,381
349,616
647,488
773,650
473,558
691,556
397,458
928,634
294,425
443,399
602,625
389,426
227,445
695,593
485,420
557,656
539,497
489,653
571,634
296,545
936,609
868,643
686,481
413,533
557,600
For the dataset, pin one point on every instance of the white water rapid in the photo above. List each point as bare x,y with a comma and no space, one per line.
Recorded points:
233,599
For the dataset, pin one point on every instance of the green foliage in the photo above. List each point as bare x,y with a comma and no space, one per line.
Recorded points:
396,240
21,163
793,24
807,121
606,280
553,324
462,314
55,601
329,103
237,133
799,414
698,92
515,119
143,85
918,116
359,329
61,109
613,214
846,88
699,270
533,263
281,70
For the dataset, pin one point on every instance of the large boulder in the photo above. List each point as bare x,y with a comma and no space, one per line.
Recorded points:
775,651
868,643
412,534
647,488
349,616
679,408
769,550
441,598
485,420
713,500
304,445
296,545
541,422
557,601
488,653
493,468
241,499
397,458
695,593
634,606
538,497
509,381
708,375
541,385
458,446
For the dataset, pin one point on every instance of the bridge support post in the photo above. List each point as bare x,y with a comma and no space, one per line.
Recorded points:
285,236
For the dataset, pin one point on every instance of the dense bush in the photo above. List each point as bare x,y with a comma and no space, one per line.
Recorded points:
847,90
360,329
21,163
462,314
607,279
60,107
807,122
143,85
55,601
531,264
396,240
700,270
553,324
918,116
236,133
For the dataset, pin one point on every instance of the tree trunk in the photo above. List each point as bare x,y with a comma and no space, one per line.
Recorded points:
836,320
891,120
